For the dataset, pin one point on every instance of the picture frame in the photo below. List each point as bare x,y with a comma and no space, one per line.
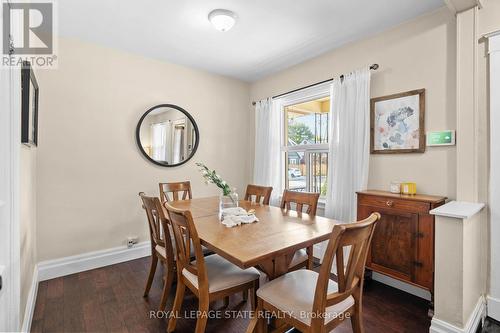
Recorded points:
397,123
29,106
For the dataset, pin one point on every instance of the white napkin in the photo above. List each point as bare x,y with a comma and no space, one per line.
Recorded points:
234,211
232,217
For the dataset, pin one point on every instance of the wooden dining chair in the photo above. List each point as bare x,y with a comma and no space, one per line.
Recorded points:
210,278
178,191
259,192
175,189
303,257
311,301
161,246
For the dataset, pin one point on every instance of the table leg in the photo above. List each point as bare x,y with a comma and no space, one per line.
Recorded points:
281,265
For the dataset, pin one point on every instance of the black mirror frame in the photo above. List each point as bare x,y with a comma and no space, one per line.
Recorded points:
138,137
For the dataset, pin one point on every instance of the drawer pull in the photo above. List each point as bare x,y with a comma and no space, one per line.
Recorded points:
419,235
418,264
389,203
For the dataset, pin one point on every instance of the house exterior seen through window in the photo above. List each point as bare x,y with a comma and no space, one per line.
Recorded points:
306,150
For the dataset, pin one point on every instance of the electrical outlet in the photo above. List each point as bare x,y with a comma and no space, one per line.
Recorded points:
131,241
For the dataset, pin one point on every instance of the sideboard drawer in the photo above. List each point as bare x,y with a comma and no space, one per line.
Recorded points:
392,203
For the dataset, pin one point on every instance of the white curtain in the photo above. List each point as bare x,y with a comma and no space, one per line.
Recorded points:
178,144
349,144
159,135
268,156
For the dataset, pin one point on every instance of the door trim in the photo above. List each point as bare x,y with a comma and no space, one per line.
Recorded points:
10,136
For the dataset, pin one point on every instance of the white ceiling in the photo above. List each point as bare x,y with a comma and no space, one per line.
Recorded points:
269,35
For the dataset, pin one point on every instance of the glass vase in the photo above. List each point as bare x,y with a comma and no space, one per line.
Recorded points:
228,201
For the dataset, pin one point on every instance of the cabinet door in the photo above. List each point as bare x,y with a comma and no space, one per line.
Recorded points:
393,249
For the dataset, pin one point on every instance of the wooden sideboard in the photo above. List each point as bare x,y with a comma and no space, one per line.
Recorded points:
403,242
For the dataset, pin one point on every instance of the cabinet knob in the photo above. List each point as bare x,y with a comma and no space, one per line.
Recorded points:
389,203
418,263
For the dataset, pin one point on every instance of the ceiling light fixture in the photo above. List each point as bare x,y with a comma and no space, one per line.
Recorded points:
222,19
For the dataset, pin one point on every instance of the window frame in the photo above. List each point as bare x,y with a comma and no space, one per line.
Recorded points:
304,95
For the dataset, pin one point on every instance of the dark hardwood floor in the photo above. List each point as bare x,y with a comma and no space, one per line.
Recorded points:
109,299
490,326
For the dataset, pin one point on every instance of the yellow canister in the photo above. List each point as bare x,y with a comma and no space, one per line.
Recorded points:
409,188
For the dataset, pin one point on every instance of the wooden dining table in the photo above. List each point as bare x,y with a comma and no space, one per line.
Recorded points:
268,244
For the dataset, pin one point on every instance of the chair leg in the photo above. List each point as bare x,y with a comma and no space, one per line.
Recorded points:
357,316
253,295
152,271
201,323
261,319
179,297
356,322
169,280
252,325
226,301
310,260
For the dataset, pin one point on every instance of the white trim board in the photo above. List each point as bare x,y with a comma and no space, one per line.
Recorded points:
51,269
494,191
476,317
406,287
458,209
493,308
30,302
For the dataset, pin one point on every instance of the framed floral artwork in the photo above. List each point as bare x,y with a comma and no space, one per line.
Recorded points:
397,123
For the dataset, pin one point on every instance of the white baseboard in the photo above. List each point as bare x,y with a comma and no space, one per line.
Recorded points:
406,287
30,302
493,308
479,312
51,269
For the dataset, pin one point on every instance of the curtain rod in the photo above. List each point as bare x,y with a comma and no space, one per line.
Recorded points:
373,67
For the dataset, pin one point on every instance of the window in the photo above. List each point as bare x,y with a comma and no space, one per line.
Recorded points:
306,142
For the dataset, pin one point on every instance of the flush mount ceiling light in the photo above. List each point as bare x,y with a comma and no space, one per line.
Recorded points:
222,19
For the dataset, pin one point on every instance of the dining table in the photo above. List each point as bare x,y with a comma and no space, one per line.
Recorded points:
268,244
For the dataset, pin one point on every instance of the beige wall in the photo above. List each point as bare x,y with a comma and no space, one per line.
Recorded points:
28,225
417,54
489,16
89,167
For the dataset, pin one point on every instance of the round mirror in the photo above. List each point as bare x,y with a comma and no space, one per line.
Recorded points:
167,135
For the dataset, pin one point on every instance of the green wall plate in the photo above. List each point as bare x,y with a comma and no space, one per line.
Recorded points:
441,138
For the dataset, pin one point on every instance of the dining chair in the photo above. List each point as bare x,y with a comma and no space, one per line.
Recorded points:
177,191
161,246
209,278
311,301
309,201
176,188
259,192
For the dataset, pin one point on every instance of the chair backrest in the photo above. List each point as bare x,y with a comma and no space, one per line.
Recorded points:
183,188
158,223
185,235
300,199
260,192
356,237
